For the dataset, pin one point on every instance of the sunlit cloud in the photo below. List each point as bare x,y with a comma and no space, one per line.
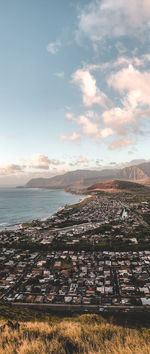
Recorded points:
81,160
39,161
91,94
70,116
10,169
88,127
126,76
120,143
135,82
74,137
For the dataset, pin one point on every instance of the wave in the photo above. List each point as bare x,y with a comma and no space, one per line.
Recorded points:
4,224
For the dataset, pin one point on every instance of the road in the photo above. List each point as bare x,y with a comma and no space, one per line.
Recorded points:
83,308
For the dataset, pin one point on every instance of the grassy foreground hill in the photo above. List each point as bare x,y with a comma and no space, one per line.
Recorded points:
88,333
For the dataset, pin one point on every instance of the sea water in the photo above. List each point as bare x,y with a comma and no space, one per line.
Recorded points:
23,205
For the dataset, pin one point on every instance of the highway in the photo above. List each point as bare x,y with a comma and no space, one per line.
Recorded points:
82,308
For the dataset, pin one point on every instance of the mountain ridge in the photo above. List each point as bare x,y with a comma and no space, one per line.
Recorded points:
80,179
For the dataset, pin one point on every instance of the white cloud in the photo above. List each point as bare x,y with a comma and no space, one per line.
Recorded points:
133,81
118,119
54,47
133,86
126,61
130,77
106,132
120,62
36,162
92,115
40,162
91,93
74,137
10,169
81,160
70,116
93,129
120,143
102,19
89,127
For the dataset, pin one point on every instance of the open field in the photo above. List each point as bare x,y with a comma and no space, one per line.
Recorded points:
78,334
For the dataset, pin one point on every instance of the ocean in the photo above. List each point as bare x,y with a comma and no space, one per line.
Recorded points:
23,205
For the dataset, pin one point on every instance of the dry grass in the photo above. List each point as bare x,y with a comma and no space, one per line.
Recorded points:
83,334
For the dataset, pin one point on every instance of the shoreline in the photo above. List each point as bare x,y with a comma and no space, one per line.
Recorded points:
17,226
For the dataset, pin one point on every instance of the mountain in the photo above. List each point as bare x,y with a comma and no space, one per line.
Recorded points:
78,180
133,173
145,167
139,173
81,177
117,186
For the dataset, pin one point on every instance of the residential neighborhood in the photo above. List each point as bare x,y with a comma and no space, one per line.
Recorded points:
102,278
52,263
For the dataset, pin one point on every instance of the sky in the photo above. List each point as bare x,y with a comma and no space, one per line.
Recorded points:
74,86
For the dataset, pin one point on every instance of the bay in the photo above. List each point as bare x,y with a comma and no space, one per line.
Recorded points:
24,205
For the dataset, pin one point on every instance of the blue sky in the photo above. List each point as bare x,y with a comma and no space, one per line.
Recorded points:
74,85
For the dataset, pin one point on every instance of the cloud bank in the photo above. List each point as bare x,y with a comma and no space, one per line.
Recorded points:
107,19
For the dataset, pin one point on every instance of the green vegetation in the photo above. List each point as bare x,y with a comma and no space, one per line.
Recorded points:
16,313
68,223
78,205
139,197
104,244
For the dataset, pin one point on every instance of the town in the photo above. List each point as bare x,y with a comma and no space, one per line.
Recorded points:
94,253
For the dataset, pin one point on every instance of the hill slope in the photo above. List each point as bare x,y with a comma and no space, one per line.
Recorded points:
81,334
80,179
117,186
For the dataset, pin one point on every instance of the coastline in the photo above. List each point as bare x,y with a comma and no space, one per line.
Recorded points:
19,225
82,199
60,209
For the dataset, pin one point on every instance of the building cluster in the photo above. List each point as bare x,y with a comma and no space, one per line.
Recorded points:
96,208
68,277
78,222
